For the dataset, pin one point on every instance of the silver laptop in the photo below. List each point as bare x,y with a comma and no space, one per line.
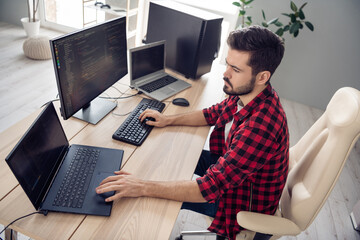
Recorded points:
147,72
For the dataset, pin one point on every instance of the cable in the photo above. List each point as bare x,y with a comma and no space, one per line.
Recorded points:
121,115
138,93
44,212
49,102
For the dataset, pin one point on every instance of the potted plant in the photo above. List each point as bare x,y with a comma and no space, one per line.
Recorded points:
295,24
31,24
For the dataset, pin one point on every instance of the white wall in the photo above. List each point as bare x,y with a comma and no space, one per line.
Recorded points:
317,63
11,11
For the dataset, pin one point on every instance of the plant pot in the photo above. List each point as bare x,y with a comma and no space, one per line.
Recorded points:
31,28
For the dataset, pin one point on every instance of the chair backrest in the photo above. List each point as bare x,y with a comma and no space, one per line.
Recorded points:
319,157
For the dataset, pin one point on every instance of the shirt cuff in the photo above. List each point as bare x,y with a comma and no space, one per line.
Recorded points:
208,189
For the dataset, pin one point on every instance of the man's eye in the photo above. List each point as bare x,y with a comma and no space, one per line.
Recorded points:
236,70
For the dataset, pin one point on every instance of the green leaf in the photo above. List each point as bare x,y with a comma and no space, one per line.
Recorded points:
292,18
236,4
294,27
279,32
248,23
285,14
278,24
301,14
293,6
263,13
303,6
249,18
286,28
242,12
296,33
248,2
272,21
309,25
301,26
265,24
243,1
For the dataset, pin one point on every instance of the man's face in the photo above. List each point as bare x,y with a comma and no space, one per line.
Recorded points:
238,78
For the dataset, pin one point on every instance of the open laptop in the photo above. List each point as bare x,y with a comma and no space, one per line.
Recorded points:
43,161
147,72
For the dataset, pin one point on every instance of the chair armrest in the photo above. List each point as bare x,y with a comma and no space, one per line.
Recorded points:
267,224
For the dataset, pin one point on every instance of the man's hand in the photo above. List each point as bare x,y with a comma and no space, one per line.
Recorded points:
125,185
160,119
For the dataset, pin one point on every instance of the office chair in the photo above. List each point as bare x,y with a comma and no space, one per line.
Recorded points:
316,162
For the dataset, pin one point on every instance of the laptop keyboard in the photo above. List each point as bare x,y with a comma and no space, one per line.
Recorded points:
132,130
155,85
77,179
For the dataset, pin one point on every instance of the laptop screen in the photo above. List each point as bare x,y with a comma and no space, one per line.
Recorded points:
147,59
36,157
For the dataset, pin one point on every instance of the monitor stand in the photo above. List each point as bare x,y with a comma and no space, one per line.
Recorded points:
95,111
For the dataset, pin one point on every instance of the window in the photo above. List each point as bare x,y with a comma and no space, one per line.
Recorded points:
68,15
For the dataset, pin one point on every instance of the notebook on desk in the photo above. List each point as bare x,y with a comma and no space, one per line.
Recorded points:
60,177
147,72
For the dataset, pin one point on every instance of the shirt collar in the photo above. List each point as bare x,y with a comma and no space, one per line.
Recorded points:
256,101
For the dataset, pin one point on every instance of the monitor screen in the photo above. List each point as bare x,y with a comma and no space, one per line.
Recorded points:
147,59
86,63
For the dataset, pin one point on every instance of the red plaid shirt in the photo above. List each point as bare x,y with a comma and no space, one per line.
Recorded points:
252,171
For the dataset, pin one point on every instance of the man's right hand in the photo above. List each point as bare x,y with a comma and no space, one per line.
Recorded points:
160,120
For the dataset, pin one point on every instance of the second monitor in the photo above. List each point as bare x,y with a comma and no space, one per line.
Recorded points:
86,63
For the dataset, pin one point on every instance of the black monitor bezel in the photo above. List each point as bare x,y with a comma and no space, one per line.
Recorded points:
78,112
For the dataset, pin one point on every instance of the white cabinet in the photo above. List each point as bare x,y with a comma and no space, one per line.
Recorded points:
128,8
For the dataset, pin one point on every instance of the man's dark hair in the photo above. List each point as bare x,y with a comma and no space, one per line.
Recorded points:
265,47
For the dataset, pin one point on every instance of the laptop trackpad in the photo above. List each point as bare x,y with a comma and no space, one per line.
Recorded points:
167,90
98,179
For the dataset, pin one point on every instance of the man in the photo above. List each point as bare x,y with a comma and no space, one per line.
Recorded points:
247,165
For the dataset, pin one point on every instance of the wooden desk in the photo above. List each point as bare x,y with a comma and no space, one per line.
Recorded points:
169,153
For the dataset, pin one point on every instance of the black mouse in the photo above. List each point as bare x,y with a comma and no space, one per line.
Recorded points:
181,102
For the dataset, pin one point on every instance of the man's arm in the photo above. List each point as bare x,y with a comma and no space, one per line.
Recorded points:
195,118
127,185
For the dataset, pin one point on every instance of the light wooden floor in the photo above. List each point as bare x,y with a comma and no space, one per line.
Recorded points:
26,84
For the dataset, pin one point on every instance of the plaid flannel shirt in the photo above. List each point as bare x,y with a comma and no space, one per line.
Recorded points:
251,172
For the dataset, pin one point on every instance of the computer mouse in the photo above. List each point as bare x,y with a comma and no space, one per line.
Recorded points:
181,102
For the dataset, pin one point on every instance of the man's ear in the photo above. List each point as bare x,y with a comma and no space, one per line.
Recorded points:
263,77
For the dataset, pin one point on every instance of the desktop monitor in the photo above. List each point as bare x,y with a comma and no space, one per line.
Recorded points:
86,63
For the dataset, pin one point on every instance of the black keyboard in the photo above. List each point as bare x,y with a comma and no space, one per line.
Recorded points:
77,179
132,130
155,85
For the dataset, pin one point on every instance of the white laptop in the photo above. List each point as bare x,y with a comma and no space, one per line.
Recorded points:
147,72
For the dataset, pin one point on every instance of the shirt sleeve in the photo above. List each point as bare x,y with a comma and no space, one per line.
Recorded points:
251,147
212,113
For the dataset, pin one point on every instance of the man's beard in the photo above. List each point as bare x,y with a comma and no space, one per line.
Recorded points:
243,90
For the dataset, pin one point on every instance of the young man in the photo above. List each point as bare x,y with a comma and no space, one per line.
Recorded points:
247,165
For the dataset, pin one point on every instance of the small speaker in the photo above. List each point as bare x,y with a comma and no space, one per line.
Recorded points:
355,216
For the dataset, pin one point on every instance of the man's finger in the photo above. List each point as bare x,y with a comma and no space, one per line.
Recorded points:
113,197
